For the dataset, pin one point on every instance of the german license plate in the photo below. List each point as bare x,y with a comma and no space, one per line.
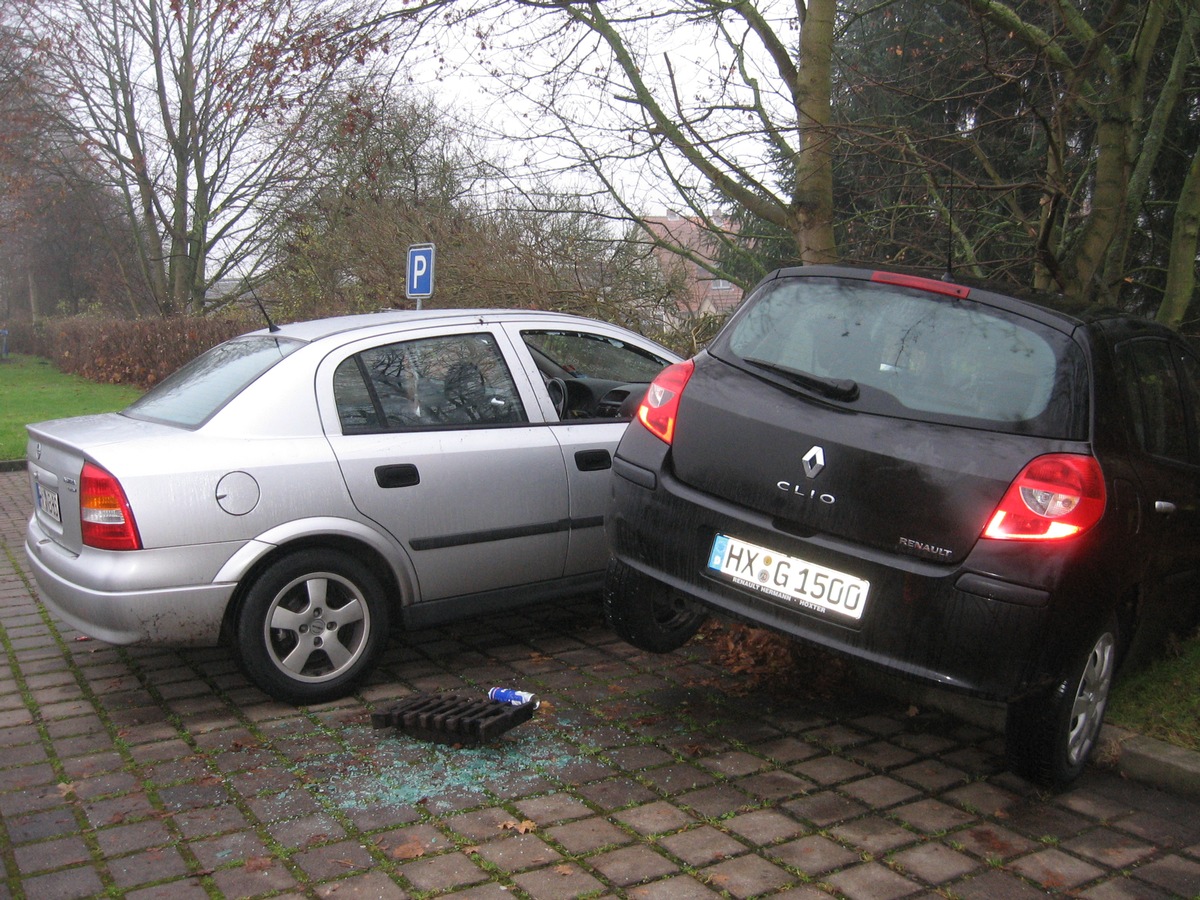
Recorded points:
47,500
788,578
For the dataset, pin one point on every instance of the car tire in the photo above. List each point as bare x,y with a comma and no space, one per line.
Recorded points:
1050,737
646,613
311,626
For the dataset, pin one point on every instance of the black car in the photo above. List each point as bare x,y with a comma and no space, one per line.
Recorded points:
973,490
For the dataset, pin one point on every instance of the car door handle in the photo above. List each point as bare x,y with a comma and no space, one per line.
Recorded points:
593,460
397,476
1166,507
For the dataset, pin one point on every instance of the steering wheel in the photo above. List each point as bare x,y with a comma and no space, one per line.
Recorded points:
558,395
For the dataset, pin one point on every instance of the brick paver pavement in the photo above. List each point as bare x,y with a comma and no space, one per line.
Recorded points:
148,773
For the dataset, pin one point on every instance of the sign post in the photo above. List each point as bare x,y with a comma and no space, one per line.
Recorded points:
418,284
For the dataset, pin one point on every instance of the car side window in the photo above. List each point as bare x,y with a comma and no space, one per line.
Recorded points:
459,381
590,376
1156,399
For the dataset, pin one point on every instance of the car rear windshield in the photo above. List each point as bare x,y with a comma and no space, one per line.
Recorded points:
911,354
193,394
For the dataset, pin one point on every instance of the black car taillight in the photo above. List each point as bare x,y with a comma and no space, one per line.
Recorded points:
105,519
1057,496
660,406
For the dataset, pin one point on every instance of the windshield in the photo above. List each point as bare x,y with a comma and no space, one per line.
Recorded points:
908,353
193,394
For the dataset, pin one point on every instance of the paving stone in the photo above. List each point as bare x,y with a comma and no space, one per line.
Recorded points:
871,881
932,816
259,875
563,882
678,778
519,852
934,863
1173,873
189,889
774,786
996,885
830,770
52,854
442,873
632,865
227,849
121,839
765,826
992,842
880,791
654,818
1110,849
717,801
678,887
378,886
825,808
616,793
1125,888
588,835
559,807
931,775
1055,870
734,763
702,846
881,755
813,855
66,884
874,835
746,876
153,864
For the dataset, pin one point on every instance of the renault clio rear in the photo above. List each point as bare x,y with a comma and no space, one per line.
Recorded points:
960,486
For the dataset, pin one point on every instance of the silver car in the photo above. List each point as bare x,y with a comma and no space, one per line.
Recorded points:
299,490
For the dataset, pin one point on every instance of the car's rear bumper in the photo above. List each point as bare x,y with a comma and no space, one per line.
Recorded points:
947,625
129,597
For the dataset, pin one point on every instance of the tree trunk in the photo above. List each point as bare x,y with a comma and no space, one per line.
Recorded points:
1185,234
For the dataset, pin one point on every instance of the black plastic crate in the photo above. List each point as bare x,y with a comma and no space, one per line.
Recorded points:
452,718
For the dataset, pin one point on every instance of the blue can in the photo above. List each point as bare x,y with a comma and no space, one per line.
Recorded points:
510,696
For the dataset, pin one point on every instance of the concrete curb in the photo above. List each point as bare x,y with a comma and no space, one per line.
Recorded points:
11,465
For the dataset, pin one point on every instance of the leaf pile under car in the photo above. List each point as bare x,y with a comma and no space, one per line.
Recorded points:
765,660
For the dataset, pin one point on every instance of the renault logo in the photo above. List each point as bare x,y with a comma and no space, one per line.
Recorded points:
814,462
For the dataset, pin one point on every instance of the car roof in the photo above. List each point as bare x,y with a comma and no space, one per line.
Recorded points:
316,329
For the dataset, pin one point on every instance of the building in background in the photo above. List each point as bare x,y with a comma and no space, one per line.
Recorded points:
682,247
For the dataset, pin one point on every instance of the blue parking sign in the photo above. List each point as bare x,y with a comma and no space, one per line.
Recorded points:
419,283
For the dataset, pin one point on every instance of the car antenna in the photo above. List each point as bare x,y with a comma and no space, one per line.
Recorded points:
949,276
271,326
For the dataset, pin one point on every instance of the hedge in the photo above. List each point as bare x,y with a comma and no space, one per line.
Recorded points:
118,351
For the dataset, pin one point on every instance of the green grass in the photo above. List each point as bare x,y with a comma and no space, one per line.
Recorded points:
33,390
1162,700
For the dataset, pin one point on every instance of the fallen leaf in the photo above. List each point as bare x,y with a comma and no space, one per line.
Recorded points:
66,787
408,850
564,870
523,827
259,863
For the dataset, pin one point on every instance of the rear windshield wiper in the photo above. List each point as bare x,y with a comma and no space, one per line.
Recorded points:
833,388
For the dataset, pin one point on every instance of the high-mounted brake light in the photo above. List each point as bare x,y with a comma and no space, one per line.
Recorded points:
660,406
1055,497
105,519
925,284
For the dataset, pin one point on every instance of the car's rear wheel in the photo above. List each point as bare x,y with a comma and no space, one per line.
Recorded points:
311,626
645,612
1049,738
